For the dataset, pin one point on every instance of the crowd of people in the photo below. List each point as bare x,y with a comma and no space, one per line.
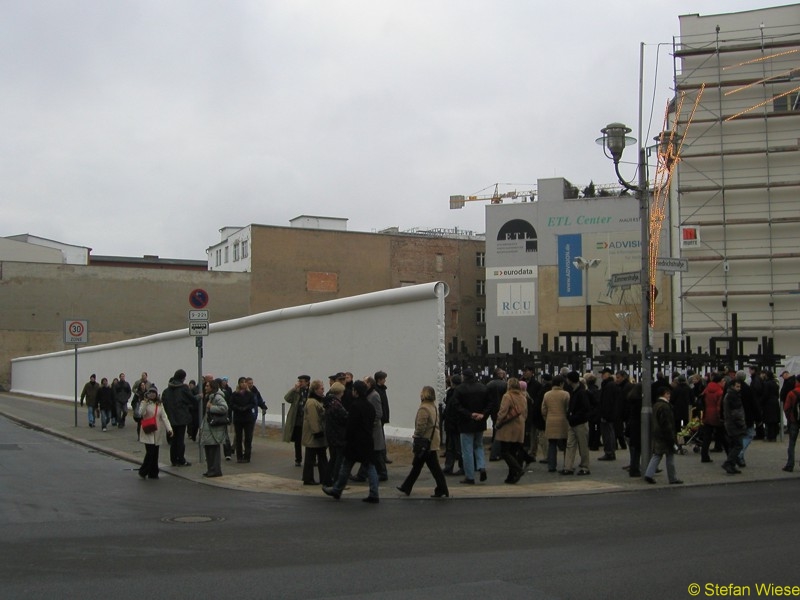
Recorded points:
533,418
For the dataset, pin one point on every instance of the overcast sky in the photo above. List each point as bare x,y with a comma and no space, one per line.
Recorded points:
143,127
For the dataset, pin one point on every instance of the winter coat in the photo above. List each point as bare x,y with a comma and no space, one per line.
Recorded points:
554,411
378,439
471,397
634,411
425,421
314,423
335,422
122,391
512,429
712,404
360,418
105,398
294,418
734,413
147,409
681,400
244,407
609,400
663,427
90,393
578,409
792,396
771,408
211,436
178,402
381,389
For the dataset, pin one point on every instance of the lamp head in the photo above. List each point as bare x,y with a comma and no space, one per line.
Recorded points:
615,138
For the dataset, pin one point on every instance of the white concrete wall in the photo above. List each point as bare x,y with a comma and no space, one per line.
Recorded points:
400,331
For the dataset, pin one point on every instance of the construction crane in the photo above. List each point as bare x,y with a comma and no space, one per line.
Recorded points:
495,198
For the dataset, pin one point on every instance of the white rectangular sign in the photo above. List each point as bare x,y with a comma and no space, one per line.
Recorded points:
76,331
625,279
198,328
671,265
198,315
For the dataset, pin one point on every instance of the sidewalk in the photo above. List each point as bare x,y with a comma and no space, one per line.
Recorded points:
272,467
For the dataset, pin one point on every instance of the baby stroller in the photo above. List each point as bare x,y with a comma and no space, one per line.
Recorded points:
691,435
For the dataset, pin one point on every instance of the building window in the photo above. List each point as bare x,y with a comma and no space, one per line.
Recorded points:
245,249
479,343
227,254
439,263
480,259
454,318
787,103
480,287
480,315
218,255
235,251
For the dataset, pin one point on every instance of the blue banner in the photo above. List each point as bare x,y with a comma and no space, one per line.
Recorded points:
570,282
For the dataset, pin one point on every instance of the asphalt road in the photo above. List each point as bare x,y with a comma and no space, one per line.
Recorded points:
78,524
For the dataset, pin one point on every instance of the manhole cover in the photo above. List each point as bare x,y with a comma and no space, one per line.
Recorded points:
191,519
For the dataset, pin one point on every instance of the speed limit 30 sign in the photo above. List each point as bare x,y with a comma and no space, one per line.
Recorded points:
76,331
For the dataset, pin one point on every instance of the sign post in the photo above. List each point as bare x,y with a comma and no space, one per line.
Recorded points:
198,328
76,332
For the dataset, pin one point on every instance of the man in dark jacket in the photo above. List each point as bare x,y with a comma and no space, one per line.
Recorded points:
178,403
473,409
359,446
663,428
380,387
578,419
735,425
609,407
496,389
681,401
122,393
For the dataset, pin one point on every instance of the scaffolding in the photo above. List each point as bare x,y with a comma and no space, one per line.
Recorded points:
738,180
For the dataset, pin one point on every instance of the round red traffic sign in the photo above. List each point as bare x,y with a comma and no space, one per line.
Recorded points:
76,329
198,298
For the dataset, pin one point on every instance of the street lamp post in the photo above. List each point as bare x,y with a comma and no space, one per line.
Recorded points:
615,138
584,264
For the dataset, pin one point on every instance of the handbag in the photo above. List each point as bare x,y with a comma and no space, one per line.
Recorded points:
150,425
512,414
421,446
218,420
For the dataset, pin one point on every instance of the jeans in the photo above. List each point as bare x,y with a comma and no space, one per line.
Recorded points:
105,417
344,473
748,437
472,451
793,430
609,438
655,460
91,415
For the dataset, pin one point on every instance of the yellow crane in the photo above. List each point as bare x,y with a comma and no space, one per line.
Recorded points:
495,198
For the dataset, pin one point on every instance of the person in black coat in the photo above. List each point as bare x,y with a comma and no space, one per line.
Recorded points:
609,409
178,403
359,446
473,408
633,426
771,409
245,413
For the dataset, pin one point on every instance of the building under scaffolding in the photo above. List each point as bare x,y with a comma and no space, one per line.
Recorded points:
738,182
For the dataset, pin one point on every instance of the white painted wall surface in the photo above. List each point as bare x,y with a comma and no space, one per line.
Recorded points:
400,331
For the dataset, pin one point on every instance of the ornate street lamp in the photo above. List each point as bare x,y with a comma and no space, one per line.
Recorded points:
615,138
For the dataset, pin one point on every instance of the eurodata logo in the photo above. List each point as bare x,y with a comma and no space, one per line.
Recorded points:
618,245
